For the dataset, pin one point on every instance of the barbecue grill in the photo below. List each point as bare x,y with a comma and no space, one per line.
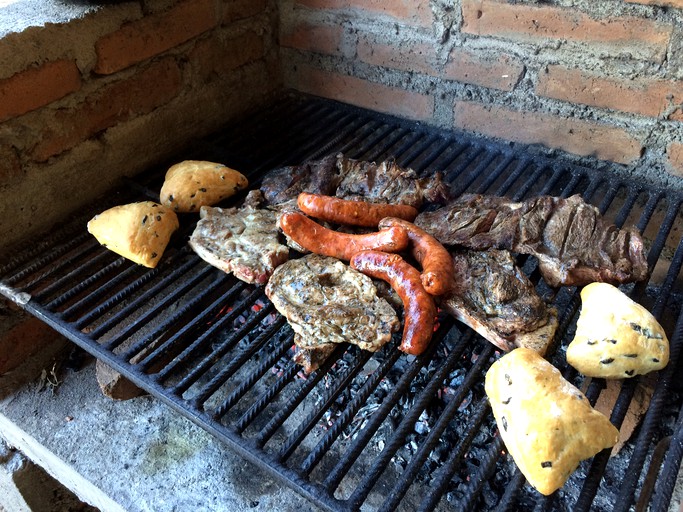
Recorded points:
371,431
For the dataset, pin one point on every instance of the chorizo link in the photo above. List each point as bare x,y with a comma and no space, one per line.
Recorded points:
438,275
419,309
354,213
318,239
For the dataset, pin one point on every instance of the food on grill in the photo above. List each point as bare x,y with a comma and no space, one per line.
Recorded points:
286,183
615,336
318,239
344,177
437,267
351,212
191,184
325,302
573,243
243,241
387,182
137,231
419,309
547,424
497,300
310,359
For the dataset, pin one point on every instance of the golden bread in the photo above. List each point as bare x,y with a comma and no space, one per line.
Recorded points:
615,336
547,424
191,184
137,231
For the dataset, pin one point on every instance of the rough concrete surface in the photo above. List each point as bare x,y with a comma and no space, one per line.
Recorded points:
23,14
140,453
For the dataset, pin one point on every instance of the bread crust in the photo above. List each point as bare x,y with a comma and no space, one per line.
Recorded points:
547,424
616,337
191,184
139,231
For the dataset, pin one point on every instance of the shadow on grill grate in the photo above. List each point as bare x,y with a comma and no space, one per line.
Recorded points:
381,431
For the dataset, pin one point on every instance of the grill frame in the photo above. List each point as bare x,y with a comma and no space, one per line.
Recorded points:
314,128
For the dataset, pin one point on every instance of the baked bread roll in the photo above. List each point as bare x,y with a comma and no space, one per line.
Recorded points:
615,336
191,184
137,231
547,424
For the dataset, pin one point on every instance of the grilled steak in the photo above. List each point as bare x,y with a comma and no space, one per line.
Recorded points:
317,177
496,299
244,241
385,182
311,358
573,243
325,302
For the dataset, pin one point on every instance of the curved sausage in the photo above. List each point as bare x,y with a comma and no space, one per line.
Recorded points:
354,213
318,239
438,276
419,309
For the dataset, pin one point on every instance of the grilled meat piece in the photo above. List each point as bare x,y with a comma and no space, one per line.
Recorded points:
573,243
325,301
387,182
317,177
244,241
496,299
311,358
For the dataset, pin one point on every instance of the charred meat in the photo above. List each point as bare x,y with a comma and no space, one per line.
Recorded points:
243,241
344,177
387,182
496,299
327,302
573,243
317,177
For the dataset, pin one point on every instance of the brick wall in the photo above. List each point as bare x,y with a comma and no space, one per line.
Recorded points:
593,78
85,102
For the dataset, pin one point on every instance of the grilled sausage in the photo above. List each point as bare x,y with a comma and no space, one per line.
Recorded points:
318,239
354,213
437,265
419,309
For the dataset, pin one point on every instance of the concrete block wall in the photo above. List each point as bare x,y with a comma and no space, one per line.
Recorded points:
86,101
598,79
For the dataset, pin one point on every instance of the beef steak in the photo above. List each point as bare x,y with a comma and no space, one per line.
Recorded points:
573,243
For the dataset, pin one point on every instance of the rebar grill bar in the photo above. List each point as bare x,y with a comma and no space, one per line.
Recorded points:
346,436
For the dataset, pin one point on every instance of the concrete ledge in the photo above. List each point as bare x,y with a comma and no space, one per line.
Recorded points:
137,455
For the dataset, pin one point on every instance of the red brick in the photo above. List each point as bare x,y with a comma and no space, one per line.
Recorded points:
36,87
411,12
668,3
314,38
578,137
10,165
217,57
638,96
621,34
234,10
674,154
362,93
141,39
405,56
24,340
501,73
118,102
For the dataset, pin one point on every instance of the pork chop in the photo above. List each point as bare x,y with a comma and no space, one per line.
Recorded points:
326,301
497,300
243,241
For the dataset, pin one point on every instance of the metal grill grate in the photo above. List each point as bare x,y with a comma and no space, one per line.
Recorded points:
381,431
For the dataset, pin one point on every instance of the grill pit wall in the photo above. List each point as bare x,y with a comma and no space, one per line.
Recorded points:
123,87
